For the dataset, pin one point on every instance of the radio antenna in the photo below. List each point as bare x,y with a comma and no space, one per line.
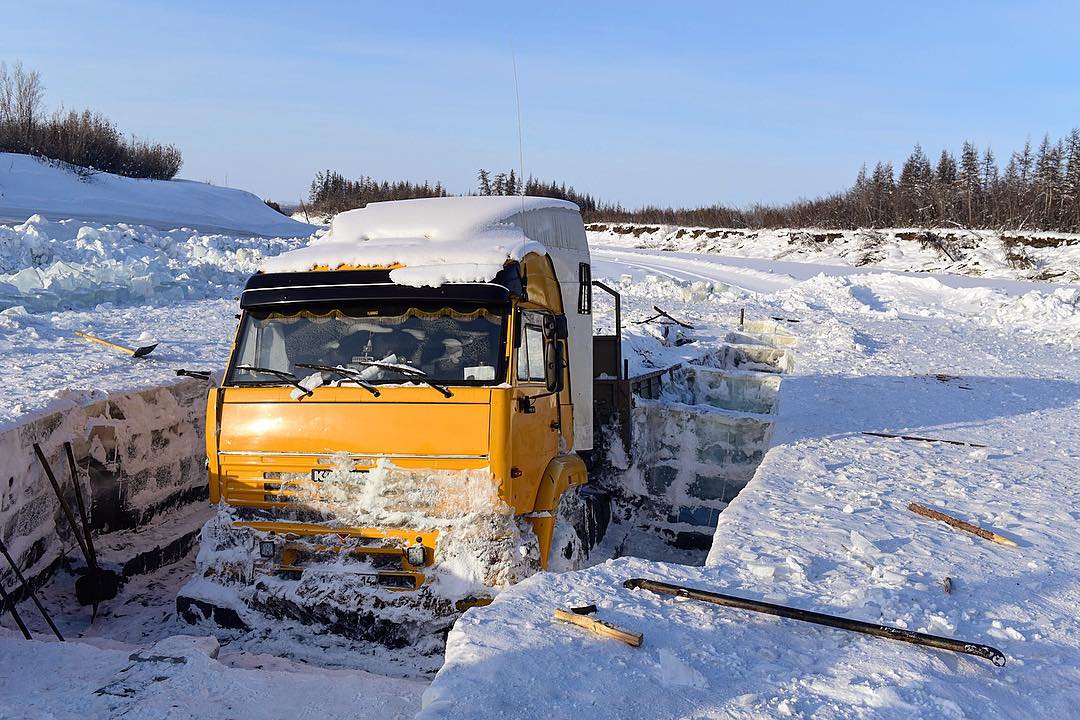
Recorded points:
521,144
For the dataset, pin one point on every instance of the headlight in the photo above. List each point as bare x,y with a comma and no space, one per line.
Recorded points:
267,549
416,555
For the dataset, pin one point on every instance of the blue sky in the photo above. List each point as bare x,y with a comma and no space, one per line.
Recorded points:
682,103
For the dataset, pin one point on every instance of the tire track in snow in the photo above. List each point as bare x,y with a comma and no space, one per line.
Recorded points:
750,281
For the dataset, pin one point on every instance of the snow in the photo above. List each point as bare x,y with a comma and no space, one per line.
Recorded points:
46,367
68,264
1030,255
824,526
434,240
120,282
182,677
29,186
436,275
446,219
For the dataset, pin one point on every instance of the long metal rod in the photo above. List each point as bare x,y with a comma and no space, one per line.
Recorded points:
10,605
91,560
918,438
63,502
618,322
82,506
884,631
29,591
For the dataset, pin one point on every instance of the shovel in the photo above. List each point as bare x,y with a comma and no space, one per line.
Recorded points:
138,352
95,584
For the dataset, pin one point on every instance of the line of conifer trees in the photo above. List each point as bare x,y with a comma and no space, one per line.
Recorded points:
1038,189
331,192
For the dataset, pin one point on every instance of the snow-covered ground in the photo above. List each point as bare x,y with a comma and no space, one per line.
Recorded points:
29,186
182,677
823,525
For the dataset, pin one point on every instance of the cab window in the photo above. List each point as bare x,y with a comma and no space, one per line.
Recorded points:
530,359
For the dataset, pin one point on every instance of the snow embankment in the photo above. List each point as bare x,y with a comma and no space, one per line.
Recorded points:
29,186
1042,256
824,526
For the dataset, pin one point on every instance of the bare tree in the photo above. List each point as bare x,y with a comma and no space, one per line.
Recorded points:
29,92
86,142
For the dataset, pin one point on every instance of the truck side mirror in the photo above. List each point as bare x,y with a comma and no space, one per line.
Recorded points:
555,366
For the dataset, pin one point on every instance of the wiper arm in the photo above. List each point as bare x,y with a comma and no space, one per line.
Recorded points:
286,376
347,373
407,370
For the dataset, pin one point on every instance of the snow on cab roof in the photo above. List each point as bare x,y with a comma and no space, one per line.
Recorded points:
437,240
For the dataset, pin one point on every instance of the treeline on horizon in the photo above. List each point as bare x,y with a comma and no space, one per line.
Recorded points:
1038,189
85,141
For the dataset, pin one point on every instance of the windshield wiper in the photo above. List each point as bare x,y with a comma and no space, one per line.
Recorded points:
407,370
347,373
286,376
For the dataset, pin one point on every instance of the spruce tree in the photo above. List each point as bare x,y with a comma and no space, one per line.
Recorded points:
915,189
945,188
970,192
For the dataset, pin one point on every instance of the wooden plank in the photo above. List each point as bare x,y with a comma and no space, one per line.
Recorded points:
599,627
960,524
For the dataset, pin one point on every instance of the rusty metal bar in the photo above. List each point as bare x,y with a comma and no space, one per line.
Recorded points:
883,631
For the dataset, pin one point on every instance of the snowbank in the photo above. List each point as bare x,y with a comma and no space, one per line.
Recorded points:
1050,315
432,240
1044,256
29,186
70,264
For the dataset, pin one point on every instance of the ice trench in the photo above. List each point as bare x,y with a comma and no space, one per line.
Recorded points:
698,437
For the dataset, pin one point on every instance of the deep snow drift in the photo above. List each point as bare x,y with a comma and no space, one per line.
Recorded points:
29,186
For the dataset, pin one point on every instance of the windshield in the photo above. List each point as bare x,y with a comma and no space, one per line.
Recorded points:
450,346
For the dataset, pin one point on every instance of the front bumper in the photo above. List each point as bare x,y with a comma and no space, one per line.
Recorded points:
379,557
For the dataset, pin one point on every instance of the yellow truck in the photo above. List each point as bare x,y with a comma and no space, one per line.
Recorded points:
400,427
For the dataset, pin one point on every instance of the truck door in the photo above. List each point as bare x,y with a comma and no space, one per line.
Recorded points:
535,426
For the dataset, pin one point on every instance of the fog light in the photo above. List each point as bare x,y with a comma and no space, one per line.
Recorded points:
416,555
267,548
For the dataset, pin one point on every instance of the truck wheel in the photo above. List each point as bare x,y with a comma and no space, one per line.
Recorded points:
568,551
